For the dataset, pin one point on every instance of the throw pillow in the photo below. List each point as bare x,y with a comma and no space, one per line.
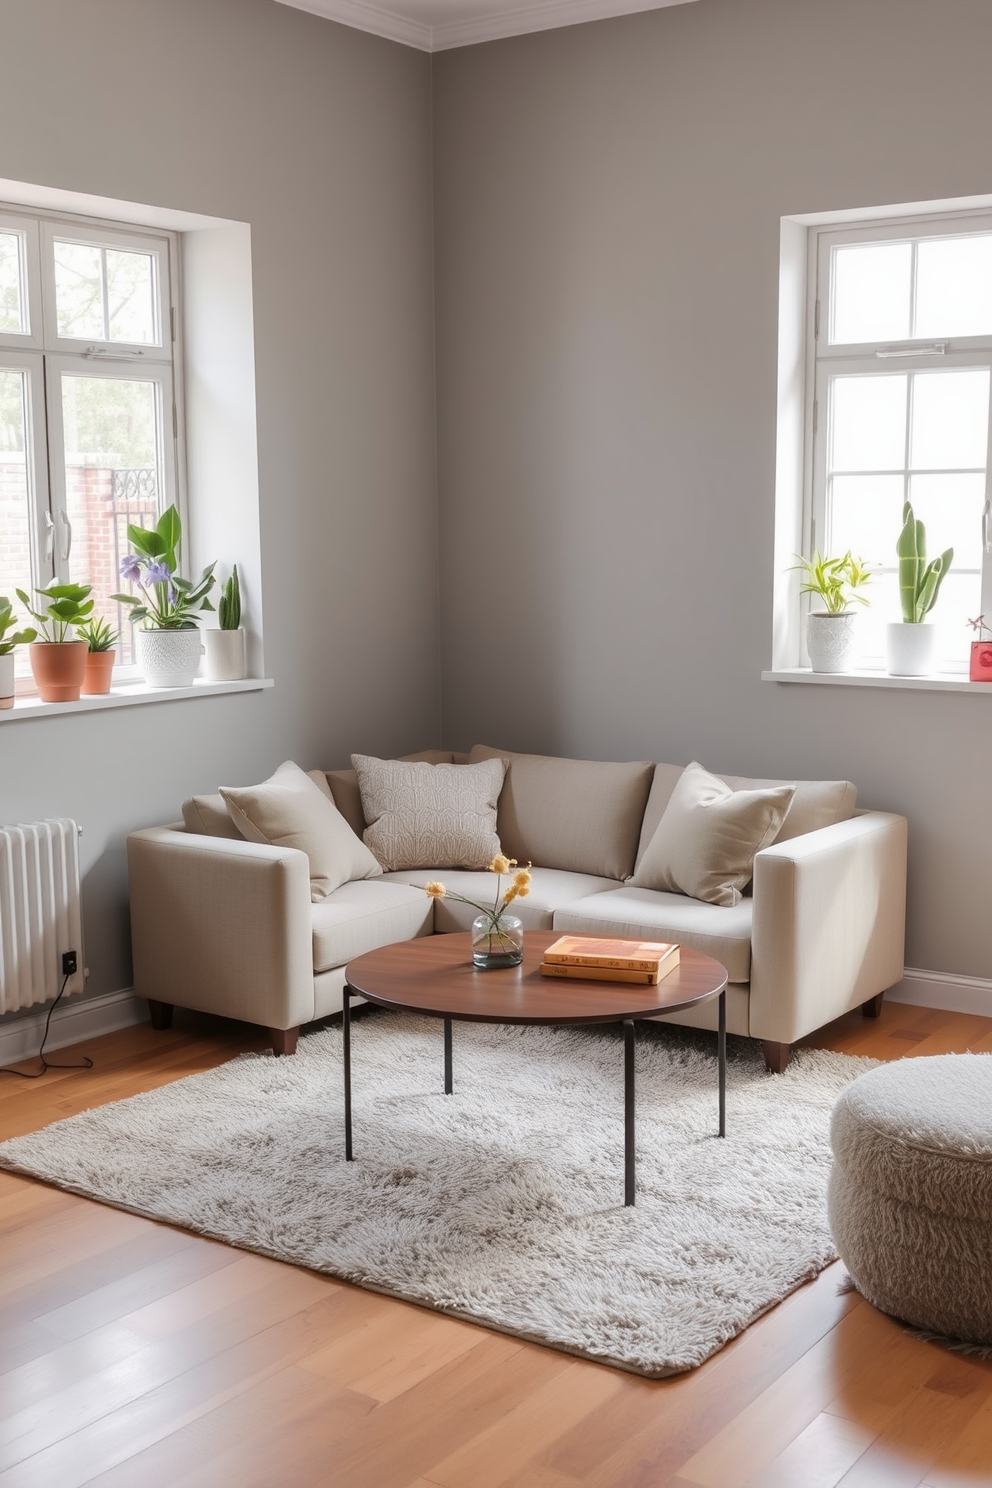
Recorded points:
289,810
705,843
430,816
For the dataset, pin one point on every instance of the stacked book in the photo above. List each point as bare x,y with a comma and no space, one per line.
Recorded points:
586,959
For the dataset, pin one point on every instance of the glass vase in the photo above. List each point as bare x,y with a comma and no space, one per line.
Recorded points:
497,943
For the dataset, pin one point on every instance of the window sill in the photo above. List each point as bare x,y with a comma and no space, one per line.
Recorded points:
129,696
945,683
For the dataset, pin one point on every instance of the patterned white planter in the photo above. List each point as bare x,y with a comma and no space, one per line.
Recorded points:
7,680
830,641
909,649
225,655
169,658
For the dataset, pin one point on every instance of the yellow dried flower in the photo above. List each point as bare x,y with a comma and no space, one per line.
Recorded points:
510,895
435,890
522,892
522,879
500,864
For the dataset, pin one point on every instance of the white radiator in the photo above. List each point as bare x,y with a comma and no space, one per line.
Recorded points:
40,914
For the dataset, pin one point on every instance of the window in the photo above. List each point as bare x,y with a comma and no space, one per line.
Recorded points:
88,416
899,410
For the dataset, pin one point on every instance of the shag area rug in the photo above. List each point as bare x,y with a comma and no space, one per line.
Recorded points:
502,1203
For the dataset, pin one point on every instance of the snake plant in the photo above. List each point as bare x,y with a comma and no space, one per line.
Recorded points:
919,581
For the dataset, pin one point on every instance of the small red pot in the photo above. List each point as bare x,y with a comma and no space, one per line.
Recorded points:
99,670
981,661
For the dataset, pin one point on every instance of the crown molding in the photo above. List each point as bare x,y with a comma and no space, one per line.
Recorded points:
518,20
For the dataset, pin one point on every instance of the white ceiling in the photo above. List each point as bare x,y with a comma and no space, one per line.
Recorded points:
436,25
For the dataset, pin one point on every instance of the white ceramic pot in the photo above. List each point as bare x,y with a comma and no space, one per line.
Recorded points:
169,658
909,649
225,650
7,680
830,641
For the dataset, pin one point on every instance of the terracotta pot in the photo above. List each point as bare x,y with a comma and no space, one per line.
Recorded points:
98,673
58,668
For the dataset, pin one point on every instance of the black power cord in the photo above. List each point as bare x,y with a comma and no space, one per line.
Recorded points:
46,1064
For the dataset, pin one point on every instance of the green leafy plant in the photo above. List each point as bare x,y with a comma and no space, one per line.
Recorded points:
919,581
167,601
7,620
835,580
229,605
98,634
68,605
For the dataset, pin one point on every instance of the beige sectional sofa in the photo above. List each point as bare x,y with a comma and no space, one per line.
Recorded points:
227,926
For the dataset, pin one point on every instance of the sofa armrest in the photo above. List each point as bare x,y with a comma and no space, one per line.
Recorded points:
222,926
829,924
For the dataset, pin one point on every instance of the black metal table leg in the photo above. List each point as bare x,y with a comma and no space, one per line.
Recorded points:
447,1056
721,1044
629,1181
346,1041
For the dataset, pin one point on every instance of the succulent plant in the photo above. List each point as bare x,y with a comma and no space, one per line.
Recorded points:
919,581
229,604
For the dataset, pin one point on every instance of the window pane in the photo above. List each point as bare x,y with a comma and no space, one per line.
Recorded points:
866,517
131,297
950,508
871,292
113,476
868,423
79,291
960,599
954,286
950,420
15,518
11,288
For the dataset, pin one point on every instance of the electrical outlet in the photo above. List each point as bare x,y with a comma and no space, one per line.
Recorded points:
68,963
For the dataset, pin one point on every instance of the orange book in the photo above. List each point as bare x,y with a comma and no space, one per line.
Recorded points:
659,956
599,974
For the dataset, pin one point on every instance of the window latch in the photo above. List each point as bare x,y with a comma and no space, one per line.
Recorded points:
101,354
935,348
986,512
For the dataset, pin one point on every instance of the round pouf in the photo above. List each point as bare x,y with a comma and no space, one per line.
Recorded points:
910,1196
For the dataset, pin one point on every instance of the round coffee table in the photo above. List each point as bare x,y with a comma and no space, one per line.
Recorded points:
434,975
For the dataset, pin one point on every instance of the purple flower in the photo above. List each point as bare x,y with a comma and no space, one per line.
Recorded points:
158,573
131,566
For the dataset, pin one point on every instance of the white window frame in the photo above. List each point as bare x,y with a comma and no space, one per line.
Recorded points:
824,359
46,356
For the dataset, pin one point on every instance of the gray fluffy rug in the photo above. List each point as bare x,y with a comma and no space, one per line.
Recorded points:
502,1203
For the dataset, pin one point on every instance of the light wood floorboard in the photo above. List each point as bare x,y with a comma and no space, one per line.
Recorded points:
133,1355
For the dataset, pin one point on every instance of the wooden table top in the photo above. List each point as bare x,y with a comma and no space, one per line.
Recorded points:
434,974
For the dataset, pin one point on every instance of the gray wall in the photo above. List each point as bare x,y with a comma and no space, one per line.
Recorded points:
320,138
607,206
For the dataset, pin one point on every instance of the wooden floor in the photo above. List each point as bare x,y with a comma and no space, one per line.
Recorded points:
138,1356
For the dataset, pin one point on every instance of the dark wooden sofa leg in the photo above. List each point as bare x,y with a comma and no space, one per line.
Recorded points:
160,1013
284,1039
873,1007
776,1055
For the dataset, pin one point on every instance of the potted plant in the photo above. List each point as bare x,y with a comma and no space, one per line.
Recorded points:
58,659
101,640
980,669
225,647
7,644
830,631
168,642
910,641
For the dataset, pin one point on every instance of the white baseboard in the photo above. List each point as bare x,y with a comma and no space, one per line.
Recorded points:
72,1022
944,990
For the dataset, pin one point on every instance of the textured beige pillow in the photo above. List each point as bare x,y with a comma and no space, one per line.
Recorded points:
705,843
289,810
430,816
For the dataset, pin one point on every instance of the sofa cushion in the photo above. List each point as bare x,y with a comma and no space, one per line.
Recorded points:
583,816
549,888
289,810
706,840
430,816
343,784
817,803
359,916
208,816
645,914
